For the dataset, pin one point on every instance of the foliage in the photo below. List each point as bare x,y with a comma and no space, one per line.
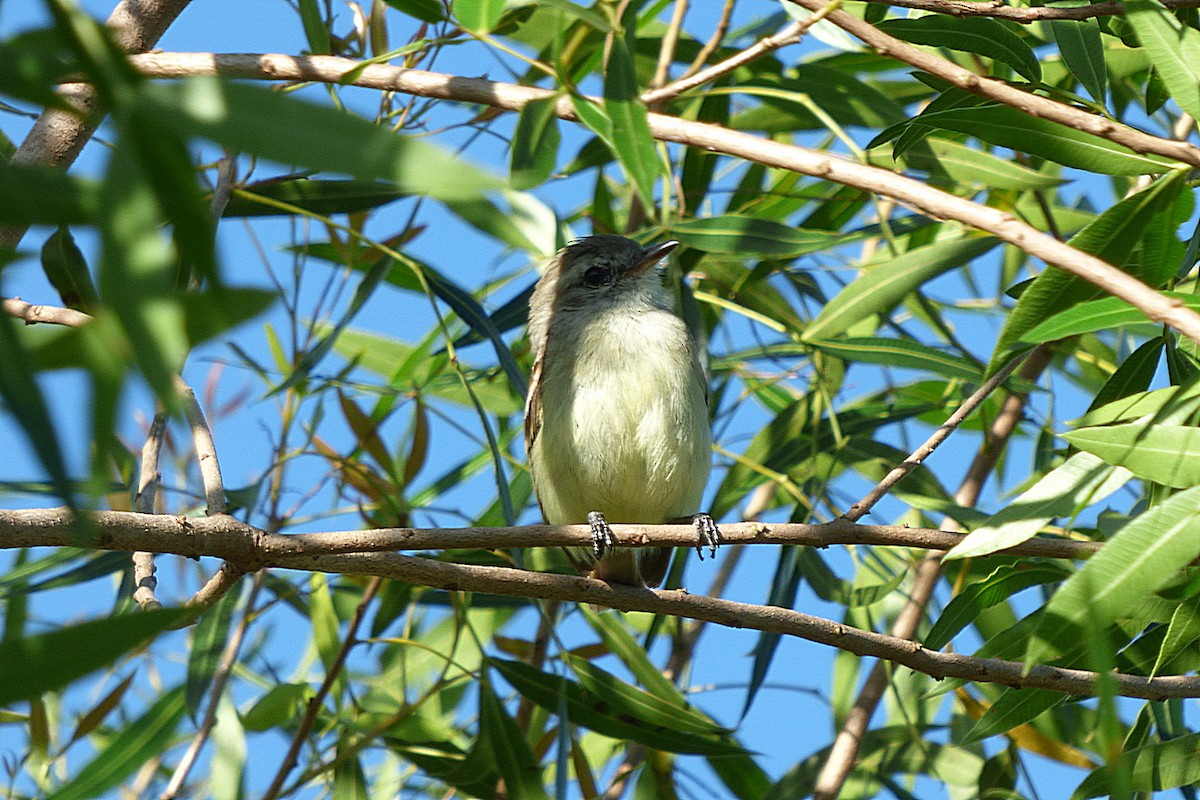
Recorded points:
381,350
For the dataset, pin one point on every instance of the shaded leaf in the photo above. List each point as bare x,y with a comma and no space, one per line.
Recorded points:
980,35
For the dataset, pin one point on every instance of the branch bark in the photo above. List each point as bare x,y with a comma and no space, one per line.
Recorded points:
1024,15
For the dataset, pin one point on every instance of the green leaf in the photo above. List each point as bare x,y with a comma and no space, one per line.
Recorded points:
478,16
607,715
1174,49
1112,236
968,165
430,11
23,399
284,128
208,643
1133,376
887,281
324,197
1098,315
1005,126
632,142
67,271
534,151
979,35
611,627
315,28
514,760
1081,480
899,353
1003,583
136,745
35,664
1083,52
1182,633
649,708
1014,707
32,195
1150,768
278,707
740,234
1142,557
1166,454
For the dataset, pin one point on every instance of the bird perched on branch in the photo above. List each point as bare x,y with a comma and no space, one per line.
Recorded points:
616,421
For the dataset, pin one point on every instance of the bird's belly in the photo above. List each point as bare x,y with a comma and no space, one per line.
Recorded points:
636,449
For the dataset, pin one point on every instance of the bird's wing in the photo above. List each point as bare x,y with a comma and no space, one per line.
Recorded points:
533,407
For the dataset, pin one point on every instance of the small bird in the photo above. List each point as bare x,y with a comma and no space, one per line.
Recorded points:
616,421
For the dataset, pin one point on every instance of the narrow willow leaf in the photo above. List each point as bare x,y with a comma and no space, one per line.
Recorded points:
480,16
1150,768
534,150
284,128
208,642
430,11
1171,404
1174,49
1142,557
745,235
1007,127
900,353
888,281
1081,480
515,762
324,197
1166,454
1098,315
1083,52
47,195
1133,376
606,715
650,708
633,144
1112,236
1182,633
611,627
67,270
996,588
968,165
132,748
982,36
1014,707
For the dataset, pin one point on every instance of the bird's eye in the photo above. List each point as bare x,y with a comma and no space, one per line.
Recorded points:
595,277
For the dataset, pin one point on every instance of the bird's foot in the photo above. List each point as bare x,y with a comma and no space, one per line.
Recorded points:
707,535
603,538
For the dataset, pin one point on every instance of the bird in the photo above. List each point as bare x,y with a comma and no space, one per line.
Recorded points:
616,418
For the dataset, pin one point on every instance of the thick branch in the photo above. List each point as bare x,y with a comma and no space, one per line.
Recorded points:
251,548
1023,14
932,201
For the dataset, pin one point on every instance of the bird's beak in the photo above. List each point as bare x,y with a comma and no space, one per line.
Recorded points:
651,256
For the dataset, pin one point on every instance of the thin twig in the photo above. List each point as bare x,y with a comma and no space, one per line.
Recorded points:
216,690
215,588
1024,15
714,41
666,51
789,34
149,478
53,315
844,751
318,699
900,472
206,449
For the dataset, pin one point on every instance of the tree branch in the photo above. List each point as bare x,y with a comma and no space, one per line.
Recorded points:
250,548
1024,15
933,202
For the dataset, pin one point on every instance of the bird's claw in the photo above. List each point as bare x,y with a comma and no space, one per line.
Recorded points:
603,538
707,535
